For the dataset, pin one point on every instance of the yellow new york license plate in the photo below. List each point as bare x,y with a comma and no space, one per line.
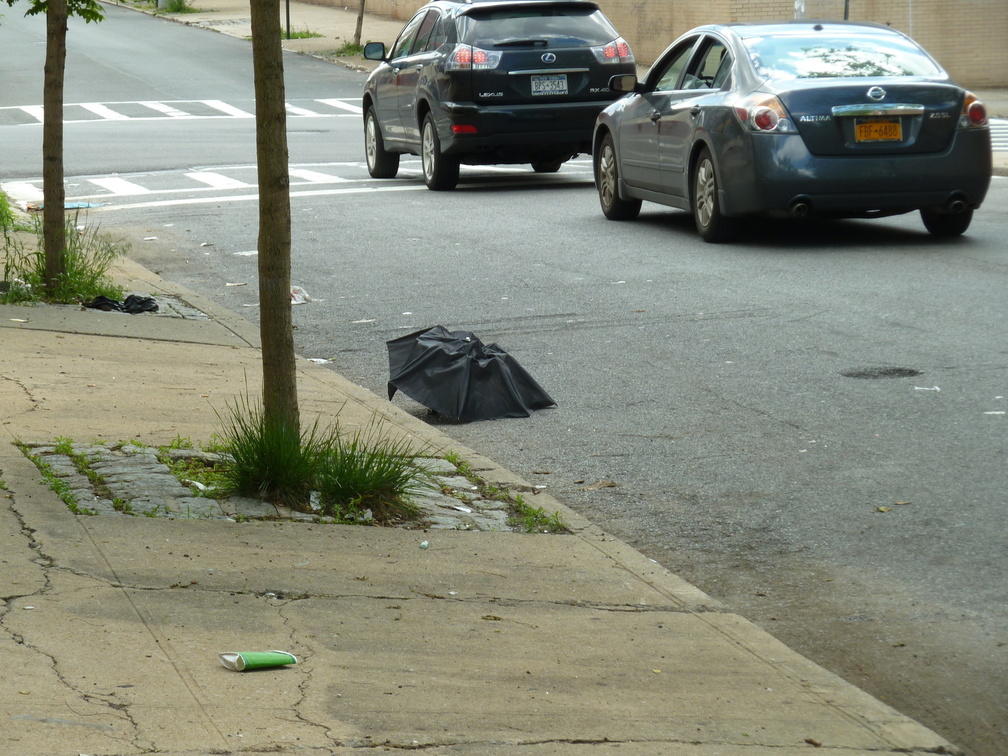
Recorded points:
878,130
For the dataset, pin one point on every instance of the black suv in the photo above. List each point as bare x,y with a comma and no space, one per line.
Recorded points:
491,81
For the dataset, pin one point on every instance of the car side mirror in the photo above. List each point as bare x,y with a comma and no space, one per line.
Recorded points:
374,51
623,83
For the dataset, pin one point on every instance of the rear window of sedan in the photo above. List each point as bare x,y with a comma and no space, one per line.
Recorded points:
841,56
517,26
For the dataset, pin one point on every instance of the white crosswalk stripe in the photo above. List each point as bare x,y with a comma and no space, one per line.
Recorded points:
999,134
238,183
118,186
165,108
103,111
217,180
86,112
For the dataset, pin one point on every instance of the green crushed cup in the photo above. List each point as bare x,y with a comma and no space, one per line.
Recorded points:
241,661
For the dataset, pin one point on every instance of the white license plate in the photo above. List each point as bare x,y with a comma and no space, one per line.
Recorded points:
554,84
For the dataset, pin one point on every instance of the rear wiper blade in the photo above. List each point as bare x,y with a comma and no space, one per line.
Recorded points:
522,43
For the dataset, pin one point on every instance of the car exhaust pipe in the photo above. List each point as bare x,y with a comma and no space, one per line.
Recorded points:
957,206
800,208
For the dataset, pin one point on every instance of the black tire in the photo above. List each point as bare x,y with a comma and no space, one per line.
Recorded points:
607,183
441,173
380,163
712,226
551,166
946,224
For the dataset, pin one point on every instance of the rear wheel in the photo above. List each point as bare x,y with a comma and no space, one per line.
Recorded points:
713,226
607,183
380,163
440,172
946,224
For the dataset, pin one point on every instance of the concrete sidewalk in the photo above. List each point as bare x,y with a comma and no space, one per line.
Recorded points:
483,643
489,643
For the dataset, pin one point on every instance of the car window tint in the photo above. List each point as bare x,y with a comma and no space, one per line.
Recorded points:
667,76
404,45
439,34
423,34
704,71
802,56
542,26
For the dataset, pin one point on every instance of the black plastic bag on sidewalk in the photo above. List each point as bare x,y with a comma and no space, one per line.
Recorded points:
134,304
456,375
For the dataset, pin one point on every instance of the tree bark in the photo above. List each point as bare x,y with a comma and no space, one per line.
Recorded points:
53,213
360,24
276,325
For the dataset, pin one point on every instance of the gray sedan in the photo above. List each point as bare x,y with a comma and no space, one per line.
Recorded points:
795,119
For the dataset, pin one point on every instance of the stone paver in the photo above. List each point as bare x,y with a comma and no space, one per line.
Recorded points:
127,479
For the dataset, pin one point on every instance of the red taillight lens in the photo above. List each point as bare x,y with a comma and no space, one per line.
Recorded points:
974,112
479,57
764,119
764,114
617,51
463,56
463,128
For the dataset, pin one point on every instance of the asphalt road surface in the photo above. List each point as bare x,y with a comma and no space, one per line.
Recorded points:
808,424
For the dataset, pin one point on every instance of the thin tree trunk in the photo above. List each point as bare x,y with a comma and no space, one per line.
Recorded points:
276,326
360,24
53,214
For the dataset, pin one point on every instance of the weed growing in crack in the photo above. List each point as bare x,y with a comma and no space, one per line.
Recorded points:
535,519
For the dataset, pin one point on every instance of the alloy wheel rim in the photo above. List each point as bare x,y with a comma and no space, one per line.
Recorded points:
428,150
705,192
607,175
370,146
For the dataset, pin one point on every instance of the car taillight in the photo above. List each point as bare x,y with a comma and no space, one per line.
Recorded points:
617,51
468,58
765,115
974,112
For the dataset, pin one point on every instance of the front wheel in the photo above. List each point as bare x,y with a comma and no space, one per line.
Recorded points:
380,163
946,224
713,226
440,172
607,183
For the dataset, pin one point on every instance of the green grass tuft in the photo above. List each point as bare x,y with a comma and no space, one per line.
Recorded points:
89,255
270,459
366,471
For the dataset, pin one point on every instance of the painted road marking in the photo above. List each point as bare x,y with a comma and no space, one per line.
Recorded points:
230,110
118,186
103,111
218,180
344,105
315,177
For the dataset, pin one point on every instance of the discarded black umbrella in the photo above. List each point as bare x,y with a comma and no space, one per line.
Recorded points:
456,375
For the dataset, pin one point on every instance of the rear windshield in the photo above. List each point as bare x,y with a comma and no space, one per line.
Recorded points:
842,56
549,26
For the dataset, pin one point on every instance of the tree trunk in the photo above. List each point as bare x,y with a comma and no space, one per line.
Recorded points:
360,24
276,326
53,214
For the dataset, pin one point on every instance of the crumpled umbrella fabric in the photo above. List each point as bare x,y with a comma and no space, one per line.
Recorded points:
456,375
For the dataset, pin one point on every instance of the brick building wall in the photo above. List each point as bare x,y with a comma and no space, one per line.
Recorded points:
968,37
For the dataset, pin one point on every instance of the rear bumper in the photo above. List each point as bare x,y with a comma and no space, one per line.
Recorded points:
773,174
518,133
